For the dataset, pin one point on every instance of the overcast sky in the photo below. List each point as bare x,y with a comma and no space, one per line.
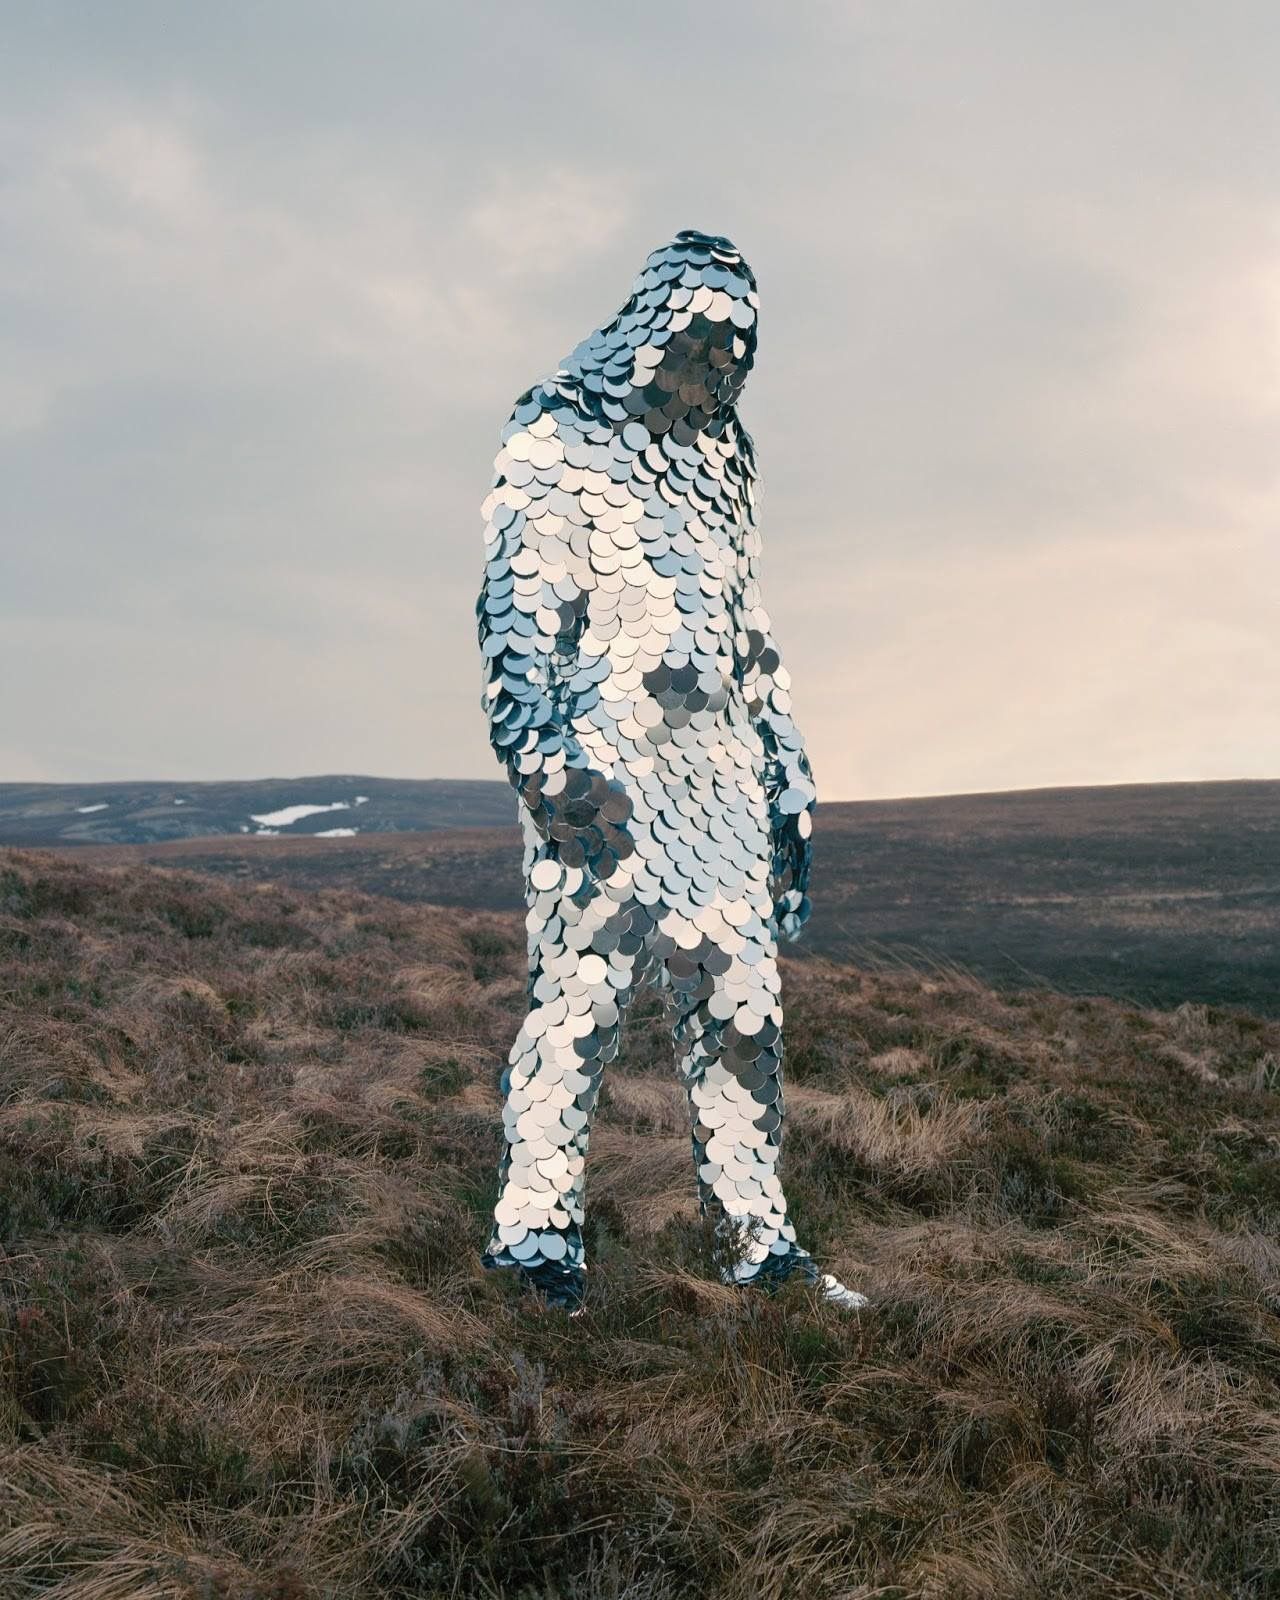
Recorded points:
271,276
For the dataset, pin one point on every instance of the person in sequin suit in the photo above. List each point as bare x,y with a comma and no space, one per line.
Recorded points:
637,698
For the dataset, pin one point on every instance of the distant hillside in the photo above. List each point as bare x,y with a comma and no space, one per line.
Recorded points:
1155,892
323,807
247,1149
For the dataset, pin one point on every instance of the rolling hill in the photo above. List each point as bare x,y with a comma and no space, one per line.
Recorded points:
332,806
1158,893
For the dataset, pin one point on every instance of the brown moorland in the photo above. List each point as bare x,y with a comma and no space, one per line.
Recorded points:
1154,893
247,1140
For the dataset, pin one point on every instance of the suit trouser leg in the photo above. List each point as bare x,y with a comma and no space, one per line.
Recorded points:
728,1041
585,960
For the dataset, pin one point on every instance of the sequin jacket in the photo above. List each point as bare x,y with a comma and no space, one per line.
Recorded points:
632,681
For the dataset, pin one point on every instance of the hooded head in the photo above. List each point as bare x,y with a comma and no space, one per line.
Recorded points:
678,352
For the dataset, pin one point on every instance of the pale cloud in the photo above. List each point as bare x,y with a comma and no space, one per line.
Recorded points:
145,165
560,221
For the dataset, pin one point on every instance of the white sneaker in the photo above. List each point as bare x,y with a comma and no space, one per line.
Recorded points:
847,1299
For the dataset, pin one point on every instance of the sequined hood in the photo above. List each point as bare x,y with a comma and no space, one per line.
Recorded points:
680,349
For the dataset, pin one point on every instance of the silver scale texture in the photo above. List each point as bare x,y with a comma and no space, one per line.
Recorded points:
636,696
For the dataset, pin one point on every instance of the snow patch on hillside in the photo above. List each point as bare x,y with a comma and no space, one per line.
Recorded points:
287,815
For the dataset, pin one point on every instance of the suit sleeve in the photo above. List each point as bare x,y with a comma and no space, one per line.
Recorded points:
788,777
531,617
522,624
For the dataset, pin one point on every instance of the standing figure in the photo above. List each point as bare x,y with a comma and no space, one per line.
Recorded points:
636,696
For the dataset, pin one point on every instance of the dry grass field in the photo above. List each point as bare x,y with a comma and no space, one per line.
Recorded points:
247,1137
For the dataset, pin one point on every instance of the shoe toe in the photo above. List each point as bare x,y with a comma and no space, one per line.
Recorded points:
830,1288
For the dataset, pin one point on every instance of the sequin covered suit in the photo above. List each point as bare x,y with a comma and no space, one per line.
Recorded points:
636,697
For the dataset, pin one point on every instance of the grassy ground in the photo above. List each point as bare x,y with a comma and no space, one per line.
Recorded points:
246,1148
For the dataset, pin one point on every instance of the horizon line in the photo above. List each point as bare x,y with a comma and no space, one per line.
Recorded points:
865,799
